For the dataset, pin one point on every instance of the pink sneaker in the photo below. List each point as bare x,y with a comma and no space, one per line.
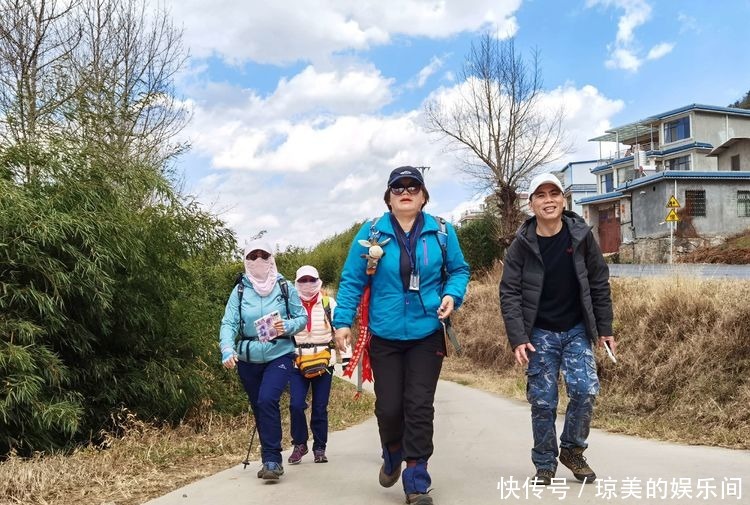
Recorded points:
296,457
320,456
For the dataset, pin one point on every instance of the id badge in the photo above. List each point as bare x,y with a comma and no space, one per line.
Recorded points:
414,281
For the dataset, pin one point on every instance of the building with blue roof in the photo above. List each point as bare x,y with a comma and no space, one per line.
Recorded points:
700,154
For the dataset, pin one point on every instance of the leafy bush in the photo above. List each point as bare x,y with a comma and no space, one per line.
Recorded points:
104,301
328,257
478,239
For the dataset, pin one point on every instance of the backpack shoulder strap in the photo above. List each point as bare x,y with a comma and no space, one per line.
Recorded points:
240,291
284,287
442,233
327,311
442,238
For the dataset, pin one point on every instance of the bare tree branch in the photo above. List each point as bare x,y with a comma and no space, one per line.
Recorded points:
497,118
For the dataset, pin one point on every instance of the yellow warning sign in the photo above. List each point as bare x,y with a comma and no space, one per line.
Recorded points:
673,204
672,216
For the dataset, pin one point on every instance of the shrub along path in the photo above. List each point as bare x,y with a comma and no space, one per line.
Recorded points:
481,438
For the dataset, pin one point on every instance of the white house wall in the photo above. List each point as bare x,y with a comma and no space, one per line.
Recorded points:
649,207
717,128
741,148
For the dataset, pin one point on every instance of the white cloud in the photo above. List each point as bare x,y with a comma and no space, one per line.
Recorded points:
625,52
660,50
624,59
320,181
587,115
688,23
284,131
312,30
435,64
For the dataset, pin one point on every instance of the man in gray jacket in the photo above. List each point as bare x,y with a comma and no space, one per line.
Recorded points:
556,302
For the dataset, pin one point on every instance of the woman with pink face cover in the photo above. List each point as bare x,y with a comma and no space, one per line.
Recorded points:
316,336
261,346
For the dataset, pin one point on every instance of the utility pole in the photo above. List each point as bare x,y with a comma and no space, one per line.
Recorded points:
422,169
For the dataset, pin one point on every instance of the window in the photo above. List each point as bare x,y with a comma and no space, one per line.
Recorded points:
695,202
678,129
743,204
735,163
681,163
607,183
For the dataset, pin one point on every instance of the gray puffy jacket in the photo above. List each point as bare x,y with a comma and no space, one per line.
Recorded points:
523,278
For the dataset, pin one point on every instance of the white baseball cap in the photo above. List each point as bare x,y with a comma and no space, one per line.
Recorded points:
308,271
258,245
545,178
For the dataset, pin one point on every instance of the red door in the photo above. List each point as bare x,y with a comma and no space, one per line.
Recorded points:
609,230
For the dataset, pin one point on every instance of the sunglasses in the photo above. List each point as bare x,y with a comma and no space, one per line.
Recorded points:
307,279
254,255
412,189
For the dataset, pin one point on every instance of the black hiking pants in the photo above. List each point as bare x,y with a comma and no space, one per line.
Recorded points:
406,374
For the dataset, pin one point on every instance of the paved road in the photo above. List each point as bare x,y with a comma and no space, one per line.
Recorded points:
481,438
703,270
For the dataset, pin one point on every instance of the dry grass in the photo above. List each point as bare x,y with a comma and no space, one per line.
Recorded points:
684,358
734,251
149,461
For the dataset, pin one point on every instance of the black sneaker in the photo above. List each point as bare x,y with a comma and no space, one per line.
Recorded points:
543,477
576,462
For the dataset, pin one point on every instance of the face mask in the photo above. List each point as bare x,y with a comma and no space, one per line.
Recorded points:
308,290
262,274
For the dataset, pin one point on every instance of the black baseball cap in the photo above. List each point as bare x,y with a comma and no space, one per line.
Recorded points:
404,173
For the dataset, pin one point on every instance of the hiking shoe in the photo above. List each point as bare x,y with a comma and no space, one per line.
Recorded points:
296,457
320,456
271,471
543,477
573,458
419,499
388,480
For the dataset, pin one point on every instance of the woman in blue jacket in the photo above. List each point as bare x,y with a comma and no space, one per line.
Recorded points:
411,293
264,352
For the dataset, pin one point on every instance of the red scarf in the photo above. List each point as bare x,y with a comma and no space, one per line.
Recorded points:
362,348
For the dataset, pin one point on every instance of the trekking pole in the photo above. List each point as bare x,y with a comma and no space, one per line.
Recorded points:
252,437
249,448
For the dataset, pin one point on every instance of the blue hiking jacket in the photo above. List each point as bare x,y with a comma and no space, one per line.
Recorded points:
253,307
395,314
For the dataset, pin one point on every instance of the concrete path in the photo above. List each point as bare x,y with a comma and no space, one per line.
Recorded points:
482,456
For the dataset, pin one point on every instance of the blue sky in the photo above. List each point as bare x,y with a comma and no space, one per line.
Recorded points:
301,109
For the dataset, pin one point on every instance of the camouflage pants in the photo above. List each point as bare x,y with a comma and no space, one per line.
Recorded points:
570,352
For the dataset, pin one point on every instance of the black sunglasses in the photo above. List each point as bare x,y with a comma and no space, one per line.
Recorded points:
411,189
253,255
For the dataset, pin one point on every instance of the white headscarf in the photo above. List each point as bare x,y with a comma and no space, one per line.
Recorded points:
262,273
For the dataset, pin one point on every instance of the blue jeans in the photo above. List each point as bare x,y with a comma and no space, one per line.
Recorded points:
321,391
264,383
570,352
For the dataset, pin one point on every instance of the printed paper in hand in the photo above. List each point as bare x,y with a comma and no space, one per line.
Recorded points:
264,326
